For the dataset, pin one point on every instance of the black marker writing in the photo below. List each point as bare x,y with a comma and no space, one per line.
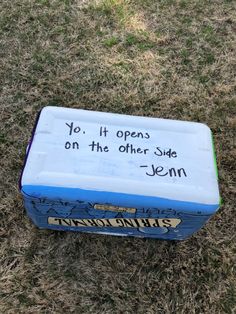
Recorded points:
163,152
96,147
127,134
103,131
72,128
161,172
131,149
73,145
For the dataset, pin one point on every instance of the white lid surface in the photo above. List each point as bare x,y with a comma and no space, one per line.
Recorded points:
130,156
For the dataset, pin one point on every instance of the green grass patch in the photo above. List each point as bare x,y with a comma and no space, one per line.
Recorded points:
110,42
118,12
185,56
207,57
203,79
227,303
3,138
140,41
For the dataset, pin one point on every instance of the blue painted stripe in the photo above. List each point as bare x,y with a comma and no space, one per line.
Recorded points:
118,199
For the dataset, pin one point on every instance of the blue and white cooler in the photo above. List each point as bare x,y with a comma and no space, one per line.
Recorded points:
116,174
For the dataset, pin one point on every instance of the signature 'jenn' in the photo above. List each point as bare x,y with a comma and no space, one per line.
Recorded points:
162,172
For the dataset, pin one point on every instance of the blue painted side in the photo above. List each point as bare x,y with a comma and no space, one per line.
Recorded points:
42,202
118,199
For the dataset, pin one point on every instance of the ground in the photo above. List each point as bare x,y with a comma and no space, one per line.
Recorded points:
161,58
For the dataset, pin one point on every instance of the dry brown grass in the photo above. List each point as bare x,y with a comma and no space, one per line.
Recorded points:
162,58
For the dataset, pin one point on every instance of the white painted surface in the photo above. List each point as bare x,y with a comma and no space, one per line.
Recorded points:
50,163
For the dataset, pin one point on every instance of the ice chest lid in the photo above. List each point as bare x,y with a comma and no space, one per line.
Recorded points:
80,154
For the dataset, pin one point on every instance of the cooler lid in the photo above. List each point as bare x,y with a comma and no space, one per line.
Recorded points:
82,150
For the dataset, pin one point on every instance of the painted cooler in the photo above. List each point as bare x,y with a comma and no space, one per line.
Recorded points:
116,174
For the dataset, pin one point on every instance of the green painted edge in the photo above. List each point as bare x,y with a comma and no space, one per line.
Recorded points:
215,164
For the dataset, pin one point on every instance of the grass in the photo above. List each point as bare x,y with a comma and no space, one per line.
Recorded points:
169,59
112,41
